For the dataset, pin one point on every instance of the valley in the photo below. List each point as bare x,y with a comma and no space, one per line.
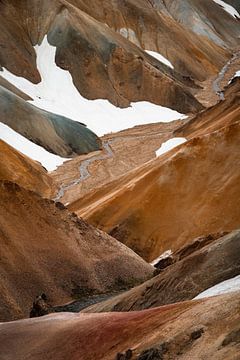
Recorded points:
119,180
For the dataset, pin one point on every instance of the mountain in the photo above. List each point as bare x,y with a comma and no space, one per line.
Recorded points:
57,253
119,179
209,327
146,212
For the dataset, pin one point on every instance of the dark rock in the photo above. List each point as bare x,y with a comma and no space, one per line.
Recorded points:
127,356
233,337
60,205
197,334
163,263
154,353
40,307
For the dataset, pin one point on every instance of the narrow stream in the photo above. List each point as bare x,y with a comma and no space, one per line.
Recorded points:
83,169
217,82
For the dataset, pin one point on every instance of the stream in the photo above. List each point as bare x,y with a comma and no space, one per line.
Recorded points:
83,169
217,82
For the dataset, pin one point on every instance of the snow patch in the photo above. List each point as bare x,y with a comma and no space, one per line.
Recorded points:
169,145
56,93
160,58
228,8
26,147
224,287
165,255
237,74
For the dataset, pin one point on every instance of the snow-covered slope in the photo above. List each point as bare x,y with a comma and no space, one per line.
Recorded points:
169,145
228,8
57,93
227,286
35,152
160,58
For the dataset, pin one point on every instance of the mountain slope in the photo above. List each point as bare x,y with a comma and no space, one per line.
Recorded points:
198,266
20,169
44,248
57,134
191,191
102,63
209,327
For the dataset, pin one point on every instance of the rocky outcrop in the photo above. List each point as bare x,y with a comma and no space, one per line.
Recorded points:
210,261
57,134
27,173
209,327
45,248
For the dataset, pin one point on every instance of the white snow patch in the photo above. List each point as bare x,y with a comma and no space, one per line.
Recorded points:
26,147
165,255
237,74
228,8
56,93
160,58
169,145
224,287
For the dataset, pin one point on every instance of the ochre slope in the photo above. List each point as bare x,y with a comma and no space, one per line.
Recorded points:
18,168
209,327
190,191
216,117
44,248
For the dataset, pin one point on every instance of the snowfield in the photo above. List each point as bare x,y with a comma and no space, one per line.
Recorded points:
161,58
169,145
228,8
224,287
56,93
26,147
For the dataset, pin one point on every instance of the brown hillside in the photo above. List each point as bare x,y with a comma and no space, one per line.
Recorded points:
44,248
182,331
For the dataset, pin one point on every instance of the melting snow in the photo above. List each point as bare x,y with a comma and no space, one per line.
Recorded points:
57,93
169,145
160,58
26,147
221,288
228,8
165,255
